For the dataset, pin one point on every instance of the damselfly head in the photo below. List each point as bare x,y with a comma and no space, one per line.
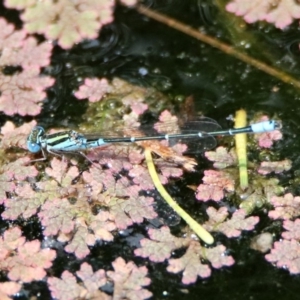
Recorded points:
33,140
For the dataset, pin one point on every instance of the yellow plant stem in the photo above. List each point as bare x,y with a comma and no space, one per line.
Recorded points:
241,147
202,233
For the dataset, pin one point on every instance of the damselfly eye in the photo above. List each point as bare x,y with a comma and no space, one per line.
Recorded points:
33,147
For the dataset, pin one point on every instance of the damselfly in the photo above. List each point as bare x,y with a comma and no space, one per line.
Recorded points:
202,131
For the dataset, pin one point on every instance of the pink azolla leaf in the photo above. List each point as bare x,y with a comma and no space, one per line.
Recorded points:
142,178
96,179
266,167
135,157
57,215
102,226
237,223
49,189
91,280
59,170
167,117
231,227
167,123
131,95
93,89
9,37
28,262
23,92
15,136
216,216
34,55
160,245
190,264
26,204
9,288
180,148
170,171
286,207
215,182
129,2
123,188
139,108
132,210
80,242
207,192
135,100
286,254
6,185
219,178
293,230
65,21
65,288
217,257
116,162
281,14
128,280
30,55
10,240
266,139
20,169
131,120
222,158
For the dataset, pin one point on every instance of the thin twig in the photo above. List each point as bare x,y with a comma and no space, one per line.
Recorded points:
217,44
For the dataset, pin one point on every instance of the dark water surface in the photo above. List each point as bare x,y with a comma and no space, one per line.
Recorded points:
146,53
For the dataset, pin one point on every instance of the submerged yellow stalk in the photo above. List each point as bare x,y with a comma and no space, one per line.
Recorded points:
202,233
241,147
